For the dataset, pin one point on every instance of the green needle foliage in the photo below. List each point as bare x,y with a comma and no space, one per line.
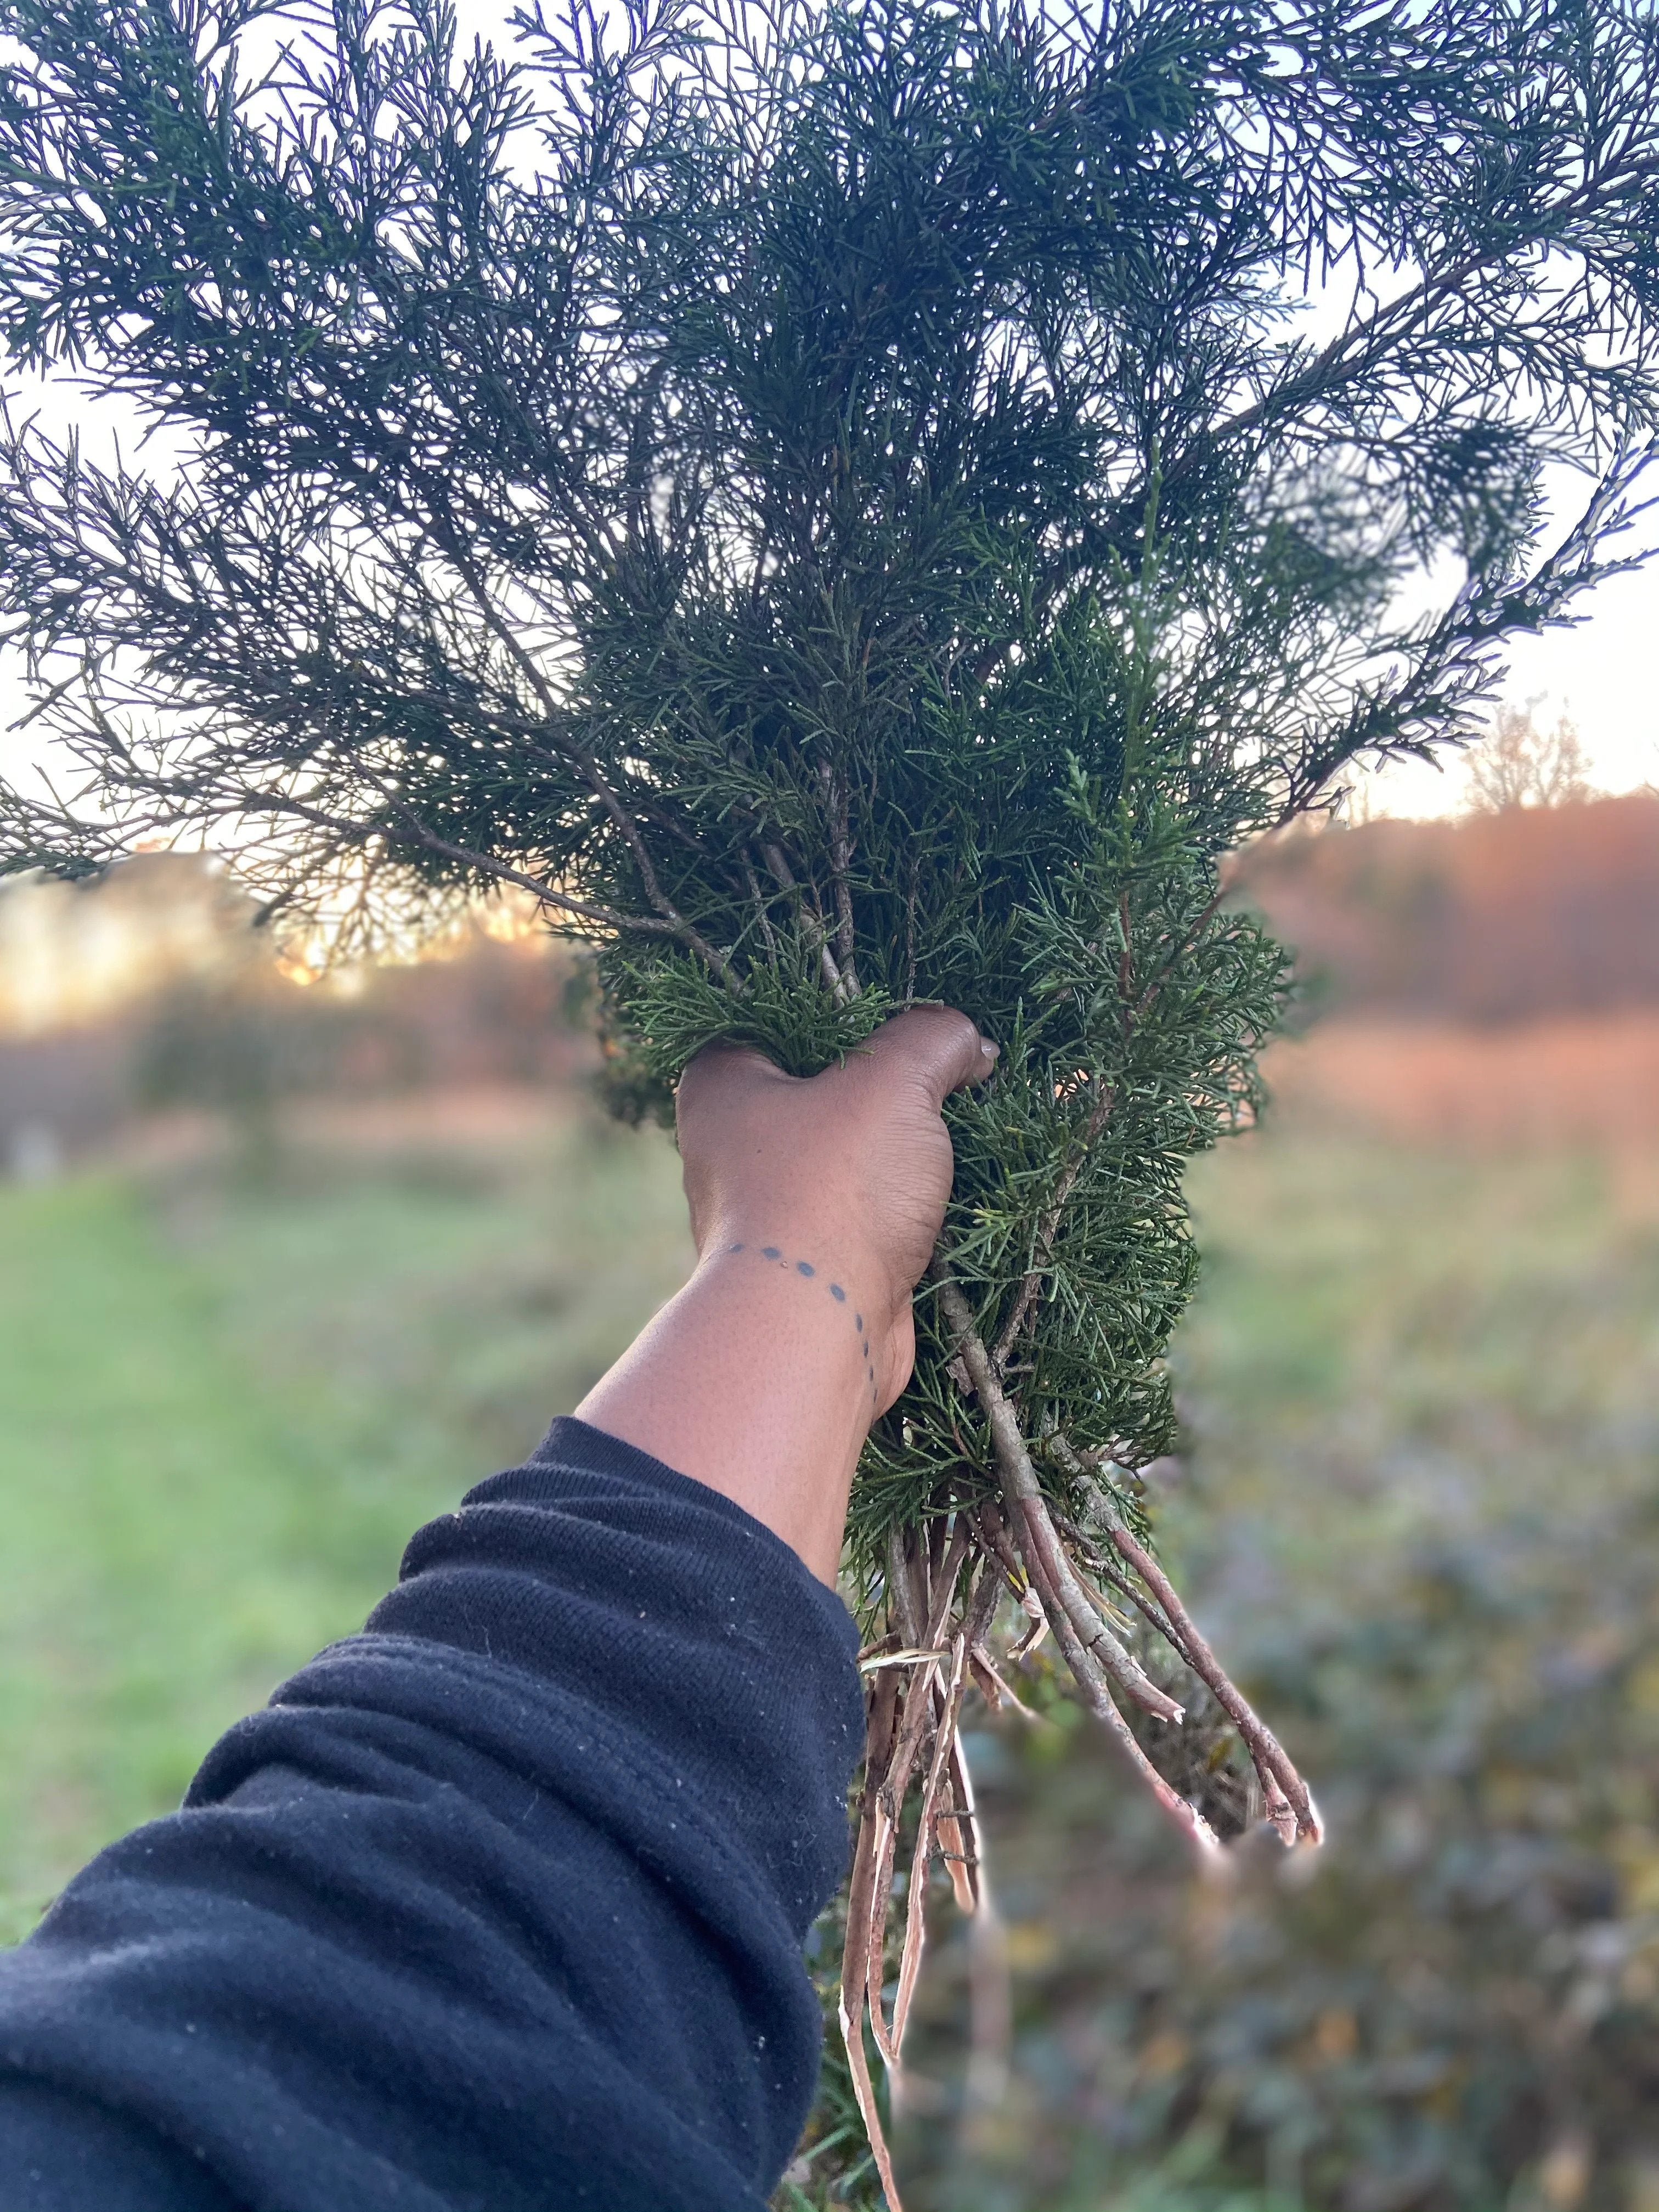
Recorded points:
844,505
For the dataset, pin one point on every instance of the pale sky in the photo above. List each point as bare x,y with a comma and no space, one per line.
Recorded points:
1603,675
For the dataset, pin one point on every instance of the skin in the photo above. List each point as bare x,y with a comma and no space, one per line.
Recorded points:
815,1205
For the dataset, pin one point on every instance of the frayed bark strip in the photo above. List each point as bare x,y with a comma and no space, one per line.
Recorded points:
904,1603
959,1832
867,1914
888,1799
944,1579
854,1976
864,2089
885,1659
915,1915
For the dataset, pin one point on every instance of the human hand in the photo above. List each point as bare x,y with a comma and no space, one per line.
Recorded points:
814,1204
839,1179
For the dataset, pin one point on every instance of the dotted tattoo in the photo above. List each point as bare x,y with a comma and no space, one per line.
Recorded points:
808,1272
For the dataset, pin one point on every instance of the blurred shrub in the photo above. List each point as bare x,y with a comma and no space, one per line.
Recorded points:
225,1031
1455,2007
495,1013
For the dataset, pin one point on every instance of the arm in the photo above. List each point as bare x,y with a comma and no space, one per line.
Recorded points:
500,1904
814,1208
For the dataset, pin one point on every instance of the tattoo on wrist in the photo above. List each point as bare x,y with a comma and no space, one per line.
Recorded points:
776,1256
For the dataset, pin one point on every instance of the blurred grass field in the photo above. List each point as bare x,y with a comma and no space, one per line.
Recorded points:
226,1403
1422,1389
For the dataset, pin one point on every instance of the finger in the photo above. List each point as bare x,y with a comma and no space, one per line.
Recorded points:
935,1046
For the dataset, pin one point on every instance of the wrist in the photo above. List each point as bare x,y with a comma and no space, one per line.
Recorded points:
821,1261
757,1379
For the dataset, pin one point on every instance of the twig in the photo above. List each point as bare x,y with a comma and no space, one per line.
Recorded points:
903,1599
1271,1760
1048,1229
920,1604
995,1691
1034,1532
889,1797
944,1578
577,756
995,1540
841,859
758,896
360,833
1091,1681
900,1659
832,975
958,1826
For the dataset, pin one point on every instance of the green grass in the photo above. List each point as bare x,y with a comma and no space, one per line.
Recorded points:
224,1407
1391,1343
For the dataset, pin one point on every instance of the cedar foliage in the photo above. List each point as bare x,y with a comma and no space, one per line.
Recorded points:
844,505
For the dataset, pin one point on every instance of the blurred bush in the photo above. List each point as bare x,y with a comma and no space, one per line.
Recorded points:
1424,1402
1460,2001
488,1013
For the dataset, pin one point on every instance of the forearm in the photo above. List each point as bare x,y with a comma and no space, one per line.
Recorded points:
814,1204
760,1379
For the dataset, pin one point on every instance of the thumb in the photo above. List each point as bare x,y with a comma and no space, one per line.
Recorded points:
936,1048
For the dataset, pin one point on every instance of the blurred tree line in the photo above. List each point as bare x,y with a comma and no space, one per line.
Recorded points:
1516,912
154,1016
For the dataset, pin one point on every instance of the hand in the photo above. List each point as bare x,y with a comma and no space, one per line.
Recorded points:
814,1205
842,1177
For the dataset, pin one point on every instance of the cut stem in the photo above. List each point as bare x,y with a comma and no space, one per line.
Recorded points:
1034,1531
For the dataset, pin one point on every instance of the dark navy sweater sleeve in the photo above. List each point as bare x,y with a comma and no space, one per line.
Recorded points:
498,1906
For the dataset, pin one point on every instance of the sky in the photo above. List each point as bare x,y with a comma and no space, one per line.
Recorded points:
1602,674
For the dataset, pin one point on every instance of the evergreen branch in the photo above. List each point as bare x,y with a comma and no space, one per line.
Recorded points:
580,757
1047,1228
546,894
1357,350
